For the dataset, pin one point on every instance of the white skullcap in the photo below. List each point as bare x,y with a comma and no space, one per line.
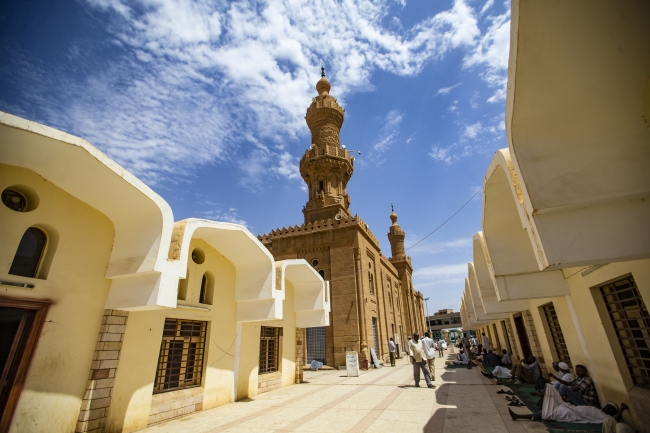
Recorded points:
563,365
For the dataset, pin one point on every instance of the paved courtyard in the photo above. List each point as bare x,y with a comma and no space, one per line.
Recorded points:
382,400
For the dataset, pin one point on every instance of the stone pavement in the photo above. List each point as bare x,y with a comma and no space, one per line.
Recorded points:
383,400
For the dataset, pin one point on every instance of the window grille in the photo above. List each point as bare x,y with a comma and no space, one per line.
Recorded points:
556,333
269,349
316,344
180,363
631,322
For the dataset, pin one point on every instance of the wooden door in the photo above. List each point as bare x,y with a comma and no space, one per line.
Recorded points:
20,326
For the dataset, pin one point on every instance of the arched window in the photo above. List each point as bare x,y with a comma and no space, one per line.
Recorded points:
207,289
372,283
204,284
29,253
322,273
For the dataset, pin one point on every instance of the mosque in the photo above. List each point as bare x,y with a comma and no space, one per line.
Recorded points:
372,295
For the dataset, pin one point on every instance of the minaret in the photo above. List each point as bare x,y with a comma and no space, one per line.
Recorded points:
325,166
396,238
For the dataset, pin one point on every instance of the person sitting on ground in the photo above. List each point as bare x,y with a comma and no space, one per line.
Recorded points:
505,359
613,424
555,409
581,391
466,345
562,373
526,373
461,358
492,359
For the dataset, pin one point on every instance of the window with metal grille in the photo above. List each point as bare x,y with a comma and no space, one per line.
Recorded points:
631,322
180,363
316,344
269,349
556,333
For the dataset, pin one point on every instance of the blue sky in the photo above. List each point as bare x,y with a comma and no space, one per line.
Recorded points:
205,102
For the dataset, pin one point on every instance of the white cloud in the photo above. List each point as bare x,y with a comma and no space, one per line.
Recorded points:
440,274
388,132
229,215
287,167
431,247
492,51
473,101
442,154
488,4
207,81
446,90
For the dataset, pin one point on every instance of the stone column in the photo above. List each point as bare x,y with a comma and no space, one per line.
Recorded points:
300,353
101,379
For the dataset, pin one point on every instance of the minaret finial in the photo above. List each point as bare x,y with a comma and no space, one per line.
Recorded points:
322,71
392,208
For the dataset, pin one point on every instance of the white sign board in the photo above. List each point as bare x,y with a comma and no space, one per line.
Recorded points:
373,355
352,364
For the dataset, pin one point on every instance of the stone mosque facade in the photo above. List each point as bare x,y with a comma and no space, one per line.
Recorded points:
372,296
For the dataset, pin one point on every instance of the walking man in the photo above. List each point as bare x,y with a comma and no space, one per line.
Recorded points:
419,360
440,347
391,351
430,352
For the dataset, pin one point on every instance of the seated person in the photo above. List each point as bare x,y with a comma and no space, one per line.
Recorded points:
562,369
461,358
581,391
528,373
556,409
613,424
505,359
491,359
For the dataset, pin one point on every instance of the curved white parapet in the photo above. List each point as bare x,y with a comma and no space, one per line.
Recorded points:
576,127
255,287
311,293
481,314
485,282
142,220
513,251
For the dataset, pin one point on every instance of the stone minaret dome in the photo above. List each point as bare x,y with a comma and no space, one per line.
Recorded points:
396,238
325,166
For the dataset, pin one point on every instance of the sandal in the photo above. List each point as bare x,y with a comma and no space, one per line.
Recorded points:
501,391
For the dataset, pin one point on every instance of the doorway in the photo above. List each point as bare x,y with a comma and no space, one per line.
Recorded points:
523,338
20,325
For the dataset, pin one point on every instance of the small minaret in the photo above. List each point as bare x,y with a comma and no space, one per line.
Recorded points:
396,237
325,166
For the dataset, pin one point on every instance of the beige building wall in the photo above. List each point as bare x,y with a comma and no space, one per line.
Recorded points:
132,396
56,379
250,382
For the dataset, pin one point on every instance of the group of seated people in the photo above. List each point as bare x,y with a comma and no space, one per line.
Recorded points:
567,398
